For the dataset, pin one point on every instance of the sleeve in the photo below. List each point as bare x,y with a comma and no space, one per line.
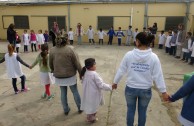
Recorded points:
101,85
2,60
36,61
185,90
123,34
21,61
51,58
189,44
122,70
158,76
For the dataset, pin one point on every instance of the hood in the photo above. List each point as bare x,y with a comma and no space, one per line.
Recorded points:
141,55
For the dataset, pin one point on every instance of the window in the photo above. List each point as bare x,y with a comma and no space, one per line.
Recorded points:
21,22
172,22
60,21
105,22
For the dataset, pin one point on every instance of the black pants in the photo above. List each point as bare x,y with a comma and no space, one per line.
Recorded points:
71,42
110,40
160,46
33,46
173,50
186,56
14,81
100,41
25,48
192,61
119,41
167,49
17,49
91,40
53,41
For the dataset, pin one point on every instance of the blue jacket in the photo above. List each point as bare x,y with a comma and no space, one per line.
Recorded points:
188,106
111,32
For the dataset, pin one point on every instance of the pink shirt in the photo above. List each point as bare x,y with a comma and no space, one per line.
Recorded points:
32,37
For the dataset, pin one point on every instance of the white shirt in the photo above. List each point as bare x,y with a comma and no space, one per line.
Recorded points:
101,34
26,39
90,33
40,38
178,43
162,38
134,35
142,68
92,97
167,44
70,35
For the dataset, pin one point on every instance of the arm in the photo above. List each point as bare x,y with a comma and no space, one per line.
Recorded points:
51,58
2,60
99,82
22,62
185,90
35,62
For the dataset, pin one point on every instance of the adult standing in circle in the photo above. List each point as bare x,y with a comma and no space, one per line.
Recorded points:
64,64
142,67
79,33
154,32
11,34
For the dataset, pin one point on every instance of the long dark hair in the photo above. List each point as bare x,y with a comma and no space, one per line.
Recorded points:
44,52
144,39
88,64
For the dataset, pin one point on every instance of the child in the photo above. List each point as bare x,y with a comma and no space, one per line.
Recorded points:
92,89
18,41
134,35
90,32
14,69
186,46
46,36
40,38
129,34
167,44
119,35
101,36
33,40
70,36
46,77
162,39
25,40
173,43
186,117
111,33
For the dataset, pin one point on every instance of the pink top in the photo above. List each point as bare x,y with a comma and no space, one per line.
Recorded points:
32,37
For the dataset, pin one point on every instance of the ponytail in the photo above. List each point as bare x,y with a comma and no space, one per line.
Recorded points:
44,49
10,49
82,72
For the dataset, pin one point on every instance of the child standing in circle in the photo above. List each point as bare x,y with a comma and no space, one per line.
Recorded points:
40,38
46,77
33,40
25,40
14,69
92,89
18,41
70,36
101,35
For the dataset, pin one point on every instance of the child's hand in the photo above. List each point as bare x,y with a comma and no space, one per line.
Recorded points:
114,86
30,67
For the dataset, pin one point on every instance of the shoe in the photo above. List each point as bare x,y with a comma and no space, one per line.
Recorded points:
17,92
50,97
80,111
43,95
182,59
66,113
178,57
25,90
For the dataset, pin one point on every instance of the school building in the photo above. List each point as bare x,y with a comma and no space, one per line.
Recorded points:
40,14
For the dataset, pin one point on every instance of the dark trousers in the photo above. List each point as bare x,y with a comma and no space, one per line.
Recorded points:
25,48
71,42
192,61
110,40
173,50
91,40
160,46
17,49
167,49
33,46
53,41
14,81
100,41
186,56
119,41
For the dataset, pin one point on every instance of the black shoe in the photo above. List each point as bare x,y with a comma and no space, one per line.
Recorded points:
178,57
80,111
66,113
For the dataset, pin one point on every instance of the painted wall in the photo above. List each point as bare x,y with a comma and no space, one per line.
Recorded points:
87,15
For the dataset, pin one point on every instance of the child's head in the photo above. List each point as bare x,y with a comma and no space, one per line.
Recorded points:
40,31
90,27
143,40
90,64
46,31
44,52
32,31
119,28
162,32
70,29
169,32
136,29
189,34
100,29
181,26
10,48
175,31
25,31
130,26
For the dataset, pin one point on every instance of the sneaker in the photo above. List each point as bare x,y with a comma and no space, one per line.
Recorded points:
80,111
17,92
50,97
43,95
25,89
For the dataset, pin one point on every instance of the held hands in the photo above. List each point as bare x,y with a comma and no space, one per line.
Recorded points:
114,86
30,67
166,97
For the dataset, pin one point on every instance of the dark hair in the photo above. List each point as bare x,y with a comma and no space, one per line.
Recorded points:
119,27
61,41
144,39
11,26
162,31
175,31
189,33
130,26
44,52
100,29
155,24
88,64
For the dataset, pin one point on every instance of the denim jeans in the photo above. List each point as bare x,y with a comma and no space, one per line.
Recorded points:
143,97
75,95
79,40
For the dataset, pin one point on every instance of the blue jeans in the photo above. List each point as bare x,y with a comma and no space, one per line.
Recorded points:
75,95
143,97
79,40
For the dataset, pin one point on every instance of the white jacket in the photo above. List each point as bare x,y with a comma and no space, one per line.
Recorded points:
162,39
101,34
40,39
142,68
167,44
90,33
70,35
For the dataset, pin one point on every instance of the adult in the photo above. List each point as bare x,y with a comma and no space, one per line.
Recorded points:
181,36
142,67
11,34
53,36
110,33
79,33
154,29
64,64
55,27
129,33
186,117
